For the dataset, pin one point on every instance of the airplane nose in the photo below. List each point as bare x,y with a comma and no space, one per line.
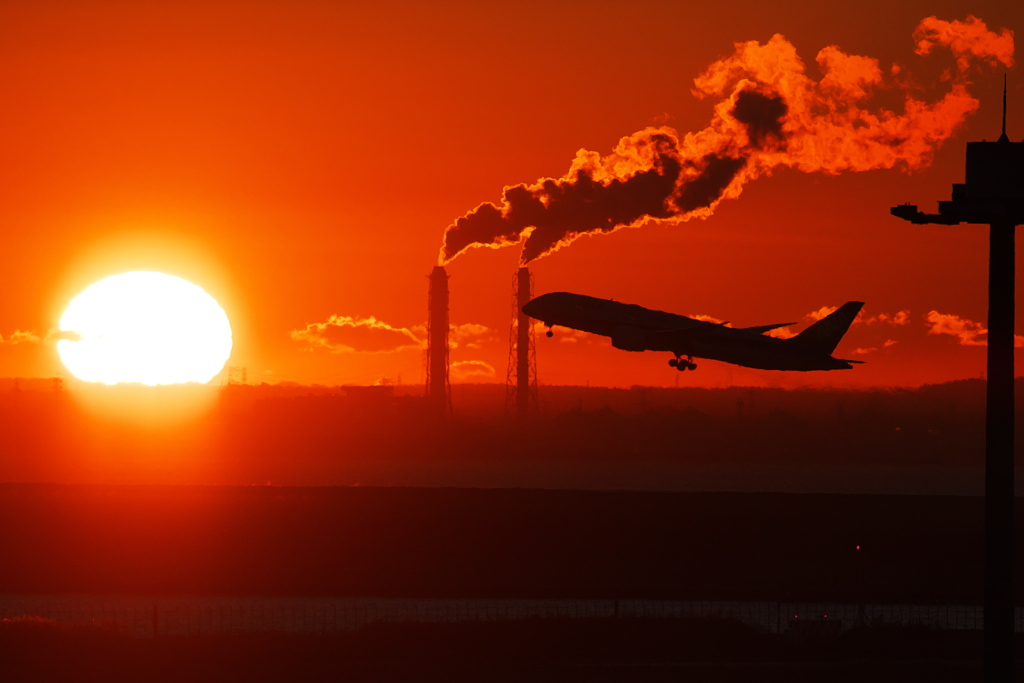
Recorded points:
536,307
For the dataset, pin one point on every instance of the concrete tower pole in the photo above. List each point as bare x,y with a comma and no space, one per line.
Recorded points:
993,194
999,466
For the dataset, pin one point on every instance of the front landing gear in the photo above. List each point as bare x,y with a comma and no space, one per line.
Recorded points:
681,364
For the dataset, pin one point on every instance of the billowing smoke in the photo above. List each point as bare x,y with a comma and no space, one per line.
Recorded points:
770,113
968,40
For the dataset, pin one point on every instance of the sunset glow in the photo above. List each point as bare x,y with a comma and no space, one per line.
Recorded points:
144,327
309,164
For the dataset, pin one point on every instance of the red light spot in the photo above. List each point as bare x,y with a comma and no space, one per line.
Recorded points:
824,616
858,547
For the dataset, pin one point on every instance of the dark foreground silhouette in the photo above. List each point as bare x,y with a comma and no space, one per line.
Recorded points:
927,440
489,543
695,649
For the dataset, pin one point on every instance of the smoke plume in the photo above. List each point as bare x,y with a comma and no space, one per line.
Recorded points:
966,39
769,114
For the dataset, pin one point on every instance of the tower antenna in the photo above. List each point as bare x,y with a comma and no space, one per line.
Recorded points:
1003,138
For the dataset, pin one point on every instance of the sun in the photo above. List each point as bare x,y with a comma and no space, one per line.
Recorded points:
144,327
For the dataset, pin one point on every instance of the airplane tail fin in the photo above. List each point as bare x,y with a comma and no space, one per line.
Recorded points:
824,335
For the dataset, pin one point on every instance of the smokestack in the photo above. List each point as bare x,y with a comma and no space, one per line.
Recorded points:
523,345
437,341
522,365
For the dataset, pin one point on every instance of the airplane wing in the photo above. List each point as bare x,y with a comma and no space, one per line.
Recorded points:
681,335
761,329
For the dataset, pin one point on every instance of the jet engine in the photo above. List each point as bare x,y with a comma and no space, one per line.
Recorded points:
629,338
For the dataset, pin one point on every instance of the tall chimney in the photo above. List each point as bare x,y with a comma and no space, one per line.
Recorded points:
437,341
522,364
523,344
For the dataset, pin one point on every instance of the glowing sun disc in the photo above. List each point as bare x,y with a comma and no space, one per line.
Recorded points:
144,327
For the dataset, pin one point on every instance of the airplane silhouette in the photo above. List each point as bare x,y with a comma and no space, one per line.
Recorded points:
635,328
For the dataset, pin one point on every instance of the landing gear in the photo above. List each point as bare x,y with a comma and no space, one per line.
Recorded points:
550,332
682,365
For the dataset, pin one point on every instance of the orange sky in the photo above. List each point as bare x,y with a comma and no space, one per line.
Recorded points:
301,160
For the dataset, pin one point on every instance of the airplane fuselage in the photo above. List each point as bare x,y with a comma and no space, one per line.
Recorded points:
635,328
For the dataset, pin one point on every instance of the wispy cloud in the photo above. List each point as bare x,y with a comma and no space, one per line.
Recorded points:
968,332
462,370
565,335
29,337
348,334
351,334
469,335
23,337
55,336
709,319
822,312
782,333
895,319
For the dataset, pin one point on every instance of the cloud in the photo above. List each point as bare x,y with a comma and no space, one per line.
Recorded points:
710,319
347,334
55,336
969,333
565,335
29,337
897,319
822,312
890,342
471,369
782,333
350,334
23,337
469,335
864,352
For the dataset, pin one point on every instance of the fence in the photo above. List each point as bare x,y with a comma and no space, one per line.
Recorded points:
146,616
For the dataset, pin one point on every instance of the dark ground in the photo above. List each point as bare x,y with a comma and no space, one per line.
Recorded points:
904,441
697,649
490,543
